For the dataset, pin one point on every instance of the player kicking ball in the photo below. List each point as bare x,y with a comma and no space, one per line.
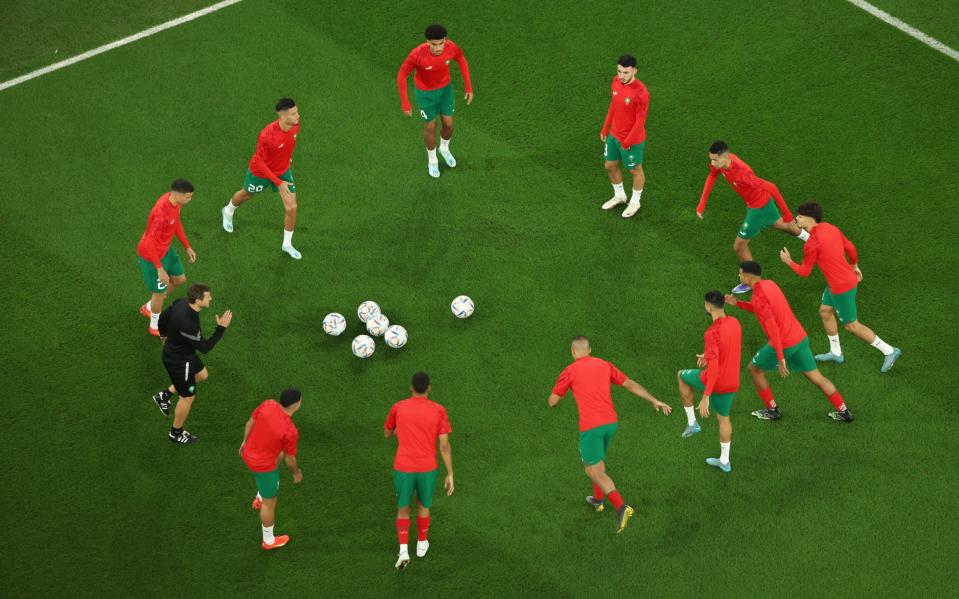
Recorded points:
430,64
788,346
719,381
161,267
827,248
590,379
270,436
272,165
765,206
417,423
624,134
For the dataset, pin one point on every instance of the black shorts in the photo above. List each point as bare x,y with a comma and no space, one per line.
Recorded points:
183,374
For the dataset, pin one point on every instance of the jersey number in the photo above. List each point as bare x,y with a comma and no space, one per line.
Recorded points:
254,188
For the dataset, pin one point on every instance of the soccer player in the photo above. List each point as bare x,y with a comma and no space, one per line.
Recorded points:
161,267
430,64
272,165
417,423
788,346
590,379
827,248
624,133
761,197
269,436
180,330
719,382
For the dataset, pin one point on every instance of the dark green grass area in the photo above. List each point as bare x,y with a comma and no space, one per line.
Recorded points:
827,102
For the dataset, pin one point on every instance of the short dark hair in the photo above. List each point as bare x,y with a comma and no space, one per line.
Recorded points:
435,32
284,104
195,292
181,186
421,382
715,298
751,267
718,147
812,210
289,397
626,60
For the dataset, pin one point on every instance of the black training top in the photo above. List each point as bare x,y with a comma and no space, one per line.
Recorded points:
180,324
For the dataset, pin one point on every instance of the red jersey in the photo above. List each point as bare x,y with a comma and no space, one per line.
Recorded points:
273,432
627,112
827,247
164,221
723,346
274,151
431,72
774,315
590,379
418,422
753,190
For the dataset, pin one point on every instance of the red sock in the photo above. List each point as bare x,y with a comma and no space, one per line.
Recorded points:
597,492
422,528
403,530
767,396
616,500
836,400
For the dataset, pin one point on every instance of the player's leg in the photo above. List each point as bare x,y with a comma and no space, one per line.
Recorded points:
185,383
848,314
267,488
765,359
612,155
289,222
425,488
447,106
828,389
633,160
827,313
792,228
725,441
404,484
252,185
687,380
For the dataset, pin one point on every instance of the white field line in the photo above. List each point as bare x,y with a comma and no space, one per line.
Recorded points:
121,42
907,29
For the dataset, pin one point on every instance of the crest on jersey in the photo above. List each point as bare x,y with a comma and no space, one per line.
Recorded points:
627,100
294,135
447,62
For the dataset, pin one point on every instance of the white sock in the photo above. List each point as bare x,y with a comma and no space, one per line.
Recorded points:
404,548
618,190
724,452
803,234
882,346
287,238
258,496
636,195
690,415
229,208
431,154
154,320
834,346
444,144
268,537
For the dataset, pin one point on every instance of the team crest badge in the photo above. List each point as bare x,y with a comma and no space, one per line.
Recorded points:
627,100
192,388
447,62
294,135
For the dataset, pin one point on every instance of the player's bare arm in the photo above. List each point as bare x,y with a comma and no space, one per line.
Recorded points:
701,360
786,258
294,468
389,432
640,391
704,406
553,399
447,452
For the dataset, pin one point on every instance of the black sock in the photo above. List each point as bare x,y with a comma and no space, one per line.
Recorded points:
165,394
176,432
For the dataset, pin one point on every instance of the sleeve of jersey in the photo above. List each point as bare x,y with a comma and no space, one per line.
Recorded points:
780,201
464,70
181,234
562,383
774,334
444,426
150,249
810,251
164,321
390,423
262,150
609,120
640,124
405,69
850,250
291,442
205,345
616,376
712,375
710,180
747,306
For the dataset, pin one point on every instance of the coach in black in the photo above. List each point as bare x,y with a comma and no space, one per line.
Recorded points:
180,330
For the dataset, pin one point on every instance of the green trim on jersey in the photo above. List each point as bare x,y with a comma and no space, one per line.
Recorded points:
171,264
435,101
424,483
594,443
798,357
843,303
758,219
254,184
630,158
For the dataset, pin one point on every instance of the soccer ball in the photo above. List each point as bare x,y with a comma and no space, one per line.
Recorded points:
462,307
363,346
367,309
395,336
334,324
377,325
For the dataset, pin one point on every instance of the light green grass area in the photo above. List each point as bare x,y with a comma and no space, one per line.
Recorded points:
827,102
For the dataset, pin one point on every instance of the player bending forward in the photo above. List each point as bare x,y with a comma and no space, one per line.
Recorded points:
590,379
624,133
417,423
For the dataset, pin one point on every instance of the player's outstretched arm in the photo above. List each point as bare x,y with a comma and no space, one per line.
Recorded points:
447,452
294,468
640,391
553,399
389,432
710,180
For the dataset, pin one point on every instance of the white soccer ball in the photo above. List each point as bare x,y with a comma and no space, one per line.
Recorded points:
395,336
363,346
367,309
462,307
377,325
334,324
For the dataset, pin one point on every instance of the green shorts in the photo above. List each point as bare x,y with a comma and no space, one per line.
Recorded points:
406,482
798,357
630,158
254,184
758,219
843,303
171,264
594,443
721,403
435,101
268,483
